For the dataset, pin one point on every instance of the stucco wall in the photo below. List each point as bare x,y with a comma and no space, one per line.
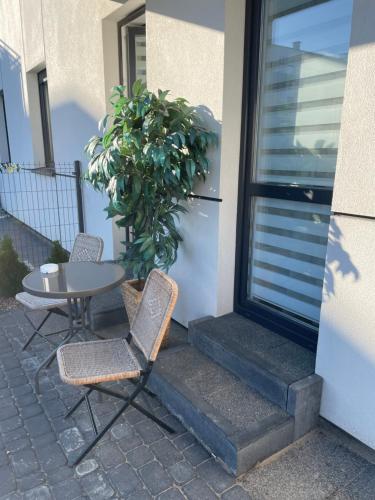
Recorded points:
346,347
185,54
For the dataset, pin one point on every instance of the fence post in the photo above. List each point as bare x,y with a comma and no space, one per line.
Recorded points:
77,173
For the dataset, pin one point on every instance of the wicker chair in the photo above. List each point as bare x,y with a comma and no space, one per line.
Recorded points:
92,363
85,248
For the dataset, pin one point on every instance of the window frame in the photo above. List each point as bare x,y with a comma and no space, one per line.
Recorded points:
124,22
45,116
2,96
268,316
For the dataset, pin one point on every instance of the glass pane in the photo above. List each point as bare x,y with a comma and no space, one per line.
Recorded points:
303,67
140,57
288,255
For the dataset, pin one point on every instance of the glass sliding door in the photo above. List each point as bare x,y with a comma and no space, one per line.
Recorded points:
294,99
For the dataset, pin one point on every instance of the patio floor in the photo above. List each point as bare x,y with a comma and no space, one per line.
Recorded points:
137,460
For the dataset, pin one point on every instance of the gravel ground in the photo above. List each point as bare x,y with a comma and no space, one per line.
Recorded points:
8,304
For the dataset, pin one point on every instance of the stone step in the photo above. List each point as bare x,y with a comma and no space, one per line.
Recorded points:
264,360
233,421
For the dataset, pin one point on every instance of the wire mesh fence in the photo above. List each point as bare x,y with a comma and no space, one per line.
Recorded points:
38,205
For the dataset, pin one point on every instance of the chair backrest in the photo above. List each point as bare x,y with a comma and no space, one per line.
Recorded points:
154,313
86,248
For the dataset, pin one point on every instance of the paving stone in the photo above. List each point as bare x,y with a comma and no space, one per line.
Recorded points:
171,494
71,439
8,411
149,431
54,408
24,462
5,393
18,444
196,454
96,486
134,417
129,443
31,481
198,490
44,439
165,452
3,458
30,364
50,456
124,479
60,474
185,440
18,381
67,490
176,425
141,494
123,430
7,480
31,410
155,478
38,425
38,493
10,424
21,390
109,455
236,493
86,467
140,456
182,472
214,475
14,434
26,399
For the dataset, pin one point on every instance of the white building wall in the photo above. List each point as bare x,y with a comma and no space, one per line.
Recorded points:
187,43
346,347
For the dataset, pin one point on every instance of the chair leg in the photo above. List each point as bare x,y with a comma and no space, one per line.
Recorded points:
101,434
36,329
77,404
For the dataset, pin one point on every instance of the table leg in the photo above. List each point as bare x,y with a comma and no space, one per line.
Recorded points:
47,362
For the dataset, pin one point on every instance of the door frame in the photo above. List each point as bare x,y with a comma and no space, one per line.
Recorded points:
262,314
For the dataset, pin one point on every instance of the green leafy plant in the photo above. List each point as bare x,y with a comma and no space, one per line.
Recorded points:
152,152
58,253
12,270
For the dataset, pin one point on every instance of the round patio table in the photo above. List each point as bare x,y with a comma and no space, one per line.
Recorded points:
77,282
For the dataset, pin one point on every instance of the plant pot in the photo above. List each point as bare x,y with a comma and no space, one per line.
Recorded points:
131,291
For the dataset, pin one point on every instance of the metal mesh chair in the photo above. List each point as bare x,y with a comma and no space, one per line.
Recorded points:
86,248
92,363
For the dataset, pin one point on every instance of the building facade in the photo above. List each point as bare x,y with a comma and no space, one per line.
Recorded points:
284,232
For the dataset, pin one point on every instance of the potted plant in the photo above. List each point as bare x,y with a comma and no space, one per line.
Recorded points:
148,159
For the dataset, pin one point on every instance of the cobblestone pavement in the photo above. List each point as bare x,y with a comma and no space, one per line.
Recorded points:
137,460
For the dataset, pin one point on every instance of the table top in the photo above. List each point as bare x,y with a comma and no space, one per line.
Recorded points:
74,280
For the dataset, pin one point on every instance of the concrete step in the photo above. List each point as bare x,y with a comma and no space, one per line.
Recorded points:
262,359
233,421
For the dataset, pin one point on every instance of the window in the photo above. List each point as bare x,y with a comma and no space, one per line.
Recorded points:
45,117
4,140
132,44
295,98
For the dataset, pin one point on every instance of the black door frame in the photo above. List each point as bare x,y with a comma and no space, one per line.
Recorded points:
247,189
124,22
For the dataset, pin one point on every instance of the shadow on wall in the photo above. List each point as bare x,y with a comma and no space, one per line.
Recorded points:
209,13
338,260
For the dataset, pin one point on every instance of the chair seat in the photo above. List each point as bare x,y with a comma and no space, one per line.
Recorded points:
98,361
39,303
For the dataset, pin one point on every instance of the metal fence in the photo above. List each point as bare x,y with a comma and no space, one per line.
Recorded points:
40,204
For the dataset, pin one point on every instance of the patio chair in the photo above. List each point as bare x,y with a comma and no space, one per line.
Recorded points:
90,364
86,248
